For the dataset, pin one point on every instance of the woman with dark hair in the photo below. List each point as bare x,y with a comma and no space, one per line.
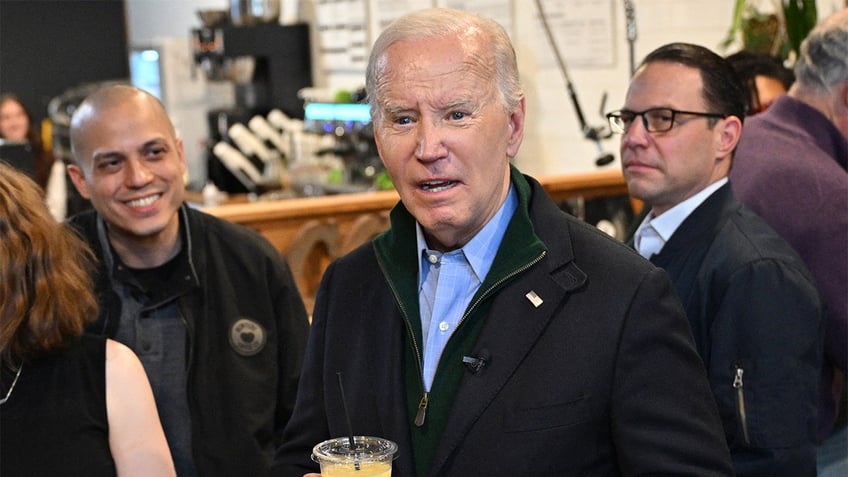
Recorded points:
764,76
16,125
70,404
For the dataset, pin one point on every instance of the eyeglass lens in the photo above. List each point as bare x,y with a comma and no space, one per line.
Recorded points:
654,120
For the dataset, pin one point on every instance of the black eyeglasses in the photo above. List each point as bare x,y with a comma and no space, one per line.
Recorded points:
654,119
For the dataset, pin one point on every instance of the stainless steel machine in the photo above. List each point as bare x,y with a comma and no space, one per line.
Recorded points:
267,63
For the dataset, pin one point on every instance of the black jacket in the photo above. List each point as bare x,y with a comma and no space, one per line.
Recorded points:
594,373
241,392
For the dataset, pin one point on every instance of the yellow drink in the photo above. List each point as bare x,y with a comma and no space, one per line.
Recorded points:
366,469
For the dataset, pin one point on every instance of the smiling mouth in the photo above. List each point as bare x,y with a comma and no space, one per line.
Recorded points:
144,201
437,186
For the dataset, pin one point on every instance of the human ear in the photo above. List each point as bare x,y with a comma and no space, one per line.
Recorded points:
516,128
78,178
729,130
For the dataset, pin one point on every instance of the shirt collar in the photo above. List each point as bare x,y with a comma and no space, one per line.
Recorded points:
668,222
480,251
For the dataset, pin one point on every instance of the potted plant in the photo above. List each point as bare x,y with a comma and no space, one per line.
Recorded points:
778,30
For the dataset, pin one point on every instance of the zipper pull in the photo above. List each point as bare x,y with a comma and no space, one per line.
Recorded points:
740,404
422,410
737,381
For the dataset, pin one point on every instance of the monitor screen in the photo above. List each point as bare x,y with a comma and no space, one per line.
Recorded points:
329,117
145,72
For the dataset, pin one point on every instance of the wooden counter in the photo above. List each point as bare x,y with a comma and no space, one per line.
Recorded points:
312,231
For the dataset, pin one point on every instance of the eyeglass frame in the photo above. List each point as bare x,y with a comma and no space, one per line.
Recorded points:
615,116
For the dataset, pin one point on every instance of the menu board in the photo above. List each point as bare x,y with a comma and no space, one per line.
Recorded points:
342,35
582,29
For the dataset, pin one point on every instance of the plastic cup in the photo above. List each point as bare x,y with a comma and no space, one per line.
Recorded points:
368,457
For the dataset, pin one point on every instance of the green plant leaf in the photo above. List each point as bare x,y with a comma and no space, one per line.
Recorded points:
801,17
735,24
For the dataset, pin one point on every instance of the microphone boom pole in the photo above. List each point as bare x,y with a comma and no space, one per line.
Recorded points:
591,133
571,92
630,18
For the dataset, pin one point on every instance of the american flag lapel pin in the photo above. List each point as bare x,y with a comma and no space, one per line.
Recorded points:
535,299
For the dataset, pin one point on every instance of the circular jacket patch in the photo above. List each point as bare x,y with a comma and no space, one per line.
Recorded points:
247,337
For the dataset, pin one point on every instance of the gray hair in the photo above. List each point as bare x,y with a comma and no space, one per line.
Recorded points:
823,60
440,22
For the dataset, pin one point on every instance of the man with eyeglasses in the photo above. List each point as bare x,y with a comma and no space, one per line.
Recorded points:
753,307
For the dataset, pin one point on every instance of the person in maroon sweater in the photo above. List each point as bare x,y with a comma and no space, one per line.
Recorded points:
791,168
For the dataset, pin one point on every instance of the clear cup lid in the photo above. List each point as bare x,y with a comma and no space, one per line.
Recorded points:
364,449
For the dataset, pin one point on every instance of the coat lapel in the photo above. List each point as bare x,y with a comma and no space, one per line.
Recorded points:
519,315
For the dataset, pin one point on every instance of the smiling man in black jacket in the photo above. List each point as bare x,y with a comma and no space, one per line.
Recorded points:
210,307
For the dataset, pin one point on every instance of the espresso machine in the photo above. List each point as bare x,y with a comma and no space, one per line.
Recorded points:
349,124
267,63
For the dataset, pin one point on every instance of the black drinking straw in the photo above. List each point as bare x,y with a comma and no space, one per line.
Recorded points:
349,425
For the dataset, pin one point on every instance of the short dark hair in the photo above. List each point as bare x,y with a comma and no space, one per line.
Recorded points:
749,64
723,91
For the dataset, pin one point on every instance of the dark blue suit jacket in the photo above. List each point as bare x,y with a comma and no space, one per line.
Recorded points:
757,321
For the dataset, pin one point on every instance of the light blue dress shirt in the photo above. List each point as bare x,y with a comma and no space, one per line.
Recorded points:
454,278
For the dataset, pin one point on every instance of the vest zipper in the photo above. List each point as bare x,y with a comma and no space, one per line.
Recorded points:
740,403
422,410
498,283
422,404
421,414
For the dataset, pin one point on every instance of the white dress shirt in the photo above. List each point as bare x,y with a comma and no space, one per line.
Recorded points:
654,232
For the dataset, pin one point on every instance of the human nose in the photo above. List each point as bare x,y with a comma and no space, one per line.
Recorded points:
637,133
137,173
430,141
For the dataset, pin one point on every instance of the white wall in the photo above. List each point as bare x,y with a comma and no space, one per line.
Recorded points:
553,141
